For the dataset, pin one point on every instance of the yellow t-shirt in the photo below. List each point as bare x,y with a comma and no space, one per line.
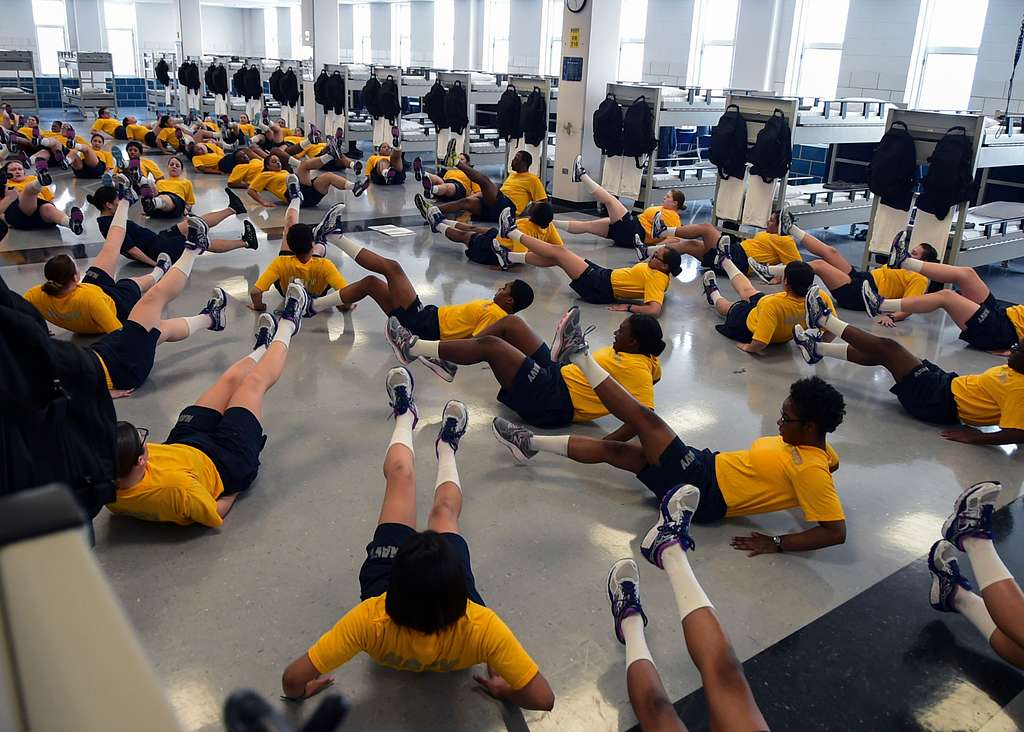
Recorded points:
468,319
454,174
995,396
1016,316
293,139
275,181
181,486
639,282
635,372
549,234
318,274
773,318
209,159
106,372
899,282
87,309
136,132
522,189
106,157
181,186
312,151
79,140
646,219
247,130
479,636
169,136
773,476
106,126
771,248
371,162
45,193
246,172
211,126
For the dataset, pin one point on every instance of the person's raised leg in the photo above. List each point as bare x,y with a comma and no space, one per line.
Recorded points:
110,253
444,514
504,359
598,227
488,189
829,274
571,263
399,505
696,248
820,249
305,168
213,218
368,286
514,330
324,182
455,233
966,279
149,309
960,308
739,281
218,395
471,204
616,211
400,287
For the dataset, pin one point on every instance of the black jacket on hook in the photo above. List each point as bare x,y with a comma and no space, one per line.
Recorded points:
163,72
253,83
336,93
275,84
289,88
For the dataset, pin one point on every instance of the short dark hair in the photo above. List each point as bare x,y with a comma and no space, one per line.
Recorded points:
135,144
124,121
58,271
129,447
542,214
101,111
427,590
930,253
522,295
96,134
102,196
646,330
679,197
799,276
817,401
674,260
468,159
164,119
300,238
527,157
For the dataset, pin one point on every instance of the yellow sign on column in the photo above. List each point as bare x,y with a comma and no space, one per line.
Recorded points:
574,38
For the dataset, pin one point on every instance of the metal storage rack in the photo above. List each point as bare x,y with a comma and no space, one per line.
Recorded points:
21,90
86,81
157,99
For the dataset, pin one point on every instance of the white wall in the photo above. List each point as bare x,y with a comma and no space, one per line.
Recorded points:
877,49
157,25
229,36
345,42
992,74
421,16
20,36
667,47
464,31
525,36
255,33
380,33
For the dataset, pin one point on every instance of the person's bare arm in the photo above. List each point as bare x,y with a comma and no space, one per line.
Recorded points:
826,533
652,308
624,433
256,197
754,347
301,680
535,695
224,504
971,436
140,256
256,295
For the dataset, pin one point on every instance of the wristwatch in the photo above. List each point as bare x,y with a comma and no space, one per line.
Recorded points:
777,541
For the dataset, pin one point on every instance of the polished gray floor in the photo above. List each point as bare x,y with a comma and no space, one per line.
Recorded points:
220,610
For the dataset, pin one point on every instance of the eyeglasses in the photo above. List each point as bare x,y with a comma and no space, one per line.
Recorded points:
143,435
1015,348
784,419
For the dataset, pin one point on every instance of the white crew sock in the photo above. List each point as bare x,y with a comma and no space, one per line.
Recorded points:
258,354
305,144
447,470
731,270
326,159
891,305
797,233
515,235
834,325
689,594
120,217
591,369
402,434
835,349
517,257
197,322
156,274
636,641
444,226
186,260
589,183
346,244
988,567
162,203
285,329
716,295
327,301
294,204
435,190
914,265
973,608
556,444
425,348
561,224
294,162
777,270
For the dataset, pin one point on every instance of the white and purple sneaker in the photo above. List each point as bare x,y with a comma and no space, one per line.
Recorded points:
266,329
624,594
296,304
215,309
807,342
454,419
677,509
399,383
515,437
972,514
946,577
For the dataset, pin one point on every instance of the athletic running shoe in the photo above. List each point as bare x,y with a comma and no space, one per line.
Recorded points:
266,328
330,223
266,118
972,514
360,187
249,235
422,206
872,300
709,283
147,206
146,190
314,135
786,220
60,158
76,220
624,594
134,171
296,303
815,308
761,270
69,133
215,309
570,338
417,168
515,437
454,419
506,222
119,157
723,250
946,577
501,254
658,226
107,179
578,171
451,156
899,251
396,135
807,341
401,340
640,248
357,168
180,136
123,188
294,191
332,148
677,509
445,369
399,383
198,236
434,218
43,172
235,203
428,187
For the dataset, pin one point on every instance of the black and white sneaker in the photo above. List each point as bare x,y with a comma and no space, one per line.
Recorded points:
296,304
761,270
709,283
428,187
807,342
234,202
454,420
417,167
435,218
872,300
786,220
723,250
198,236
422,206
501,254
331,223
399,383
43,172
946,577
266,328
578,171
899,251
642,253
294,189
163,262
515,437
677,509
124,189
972,514
361,185
815,308
119,157
506,222
658,226
445,369
249,235
624,594
215,309
76,220
570,338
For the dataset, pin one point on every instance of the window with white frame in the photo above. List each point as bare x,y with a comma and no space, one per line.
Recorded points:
948,54
295,24
361,45
711,63
496,24
271,41
401,34
119,17
821,32
551,38
444,34
632,31
51,33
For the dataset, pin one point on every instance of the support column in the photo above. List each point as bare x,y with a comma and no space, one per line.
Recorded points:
319,41
380,33
284,33
463,38
585,37
190,21
421,15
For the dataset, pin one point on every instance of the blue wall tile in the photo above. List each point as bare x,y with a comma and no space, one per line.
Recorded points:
800,167
816,154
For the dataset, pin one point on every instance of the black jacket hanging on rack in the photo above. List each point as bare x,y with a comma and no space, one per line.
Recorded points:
336,93
371,92
253,83
892,171
238,82
275,84
208,78
163,72
456,110
220,80
188,76
320,89
289,88
535,117
434,105
509,115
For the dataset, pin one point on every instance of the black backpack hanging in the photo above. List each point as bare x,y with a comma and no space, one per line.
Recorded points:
456,109
892,172
208,77
773,149
163,72
275,84
290,88
728,150
388,101
335,93
638,138
509,115
320,89
608,127
371,95
950,177
238,82
434,105
534,117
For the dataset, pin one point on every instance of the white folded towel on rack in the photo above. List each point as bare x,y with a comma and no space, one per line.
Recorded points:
757,207
729,199
888,222
381,132
441,149
930,230
611,174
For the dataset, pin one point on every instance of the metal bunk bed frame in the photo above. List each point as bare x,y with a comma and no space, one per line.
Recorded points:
89,69
156,97
24,81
